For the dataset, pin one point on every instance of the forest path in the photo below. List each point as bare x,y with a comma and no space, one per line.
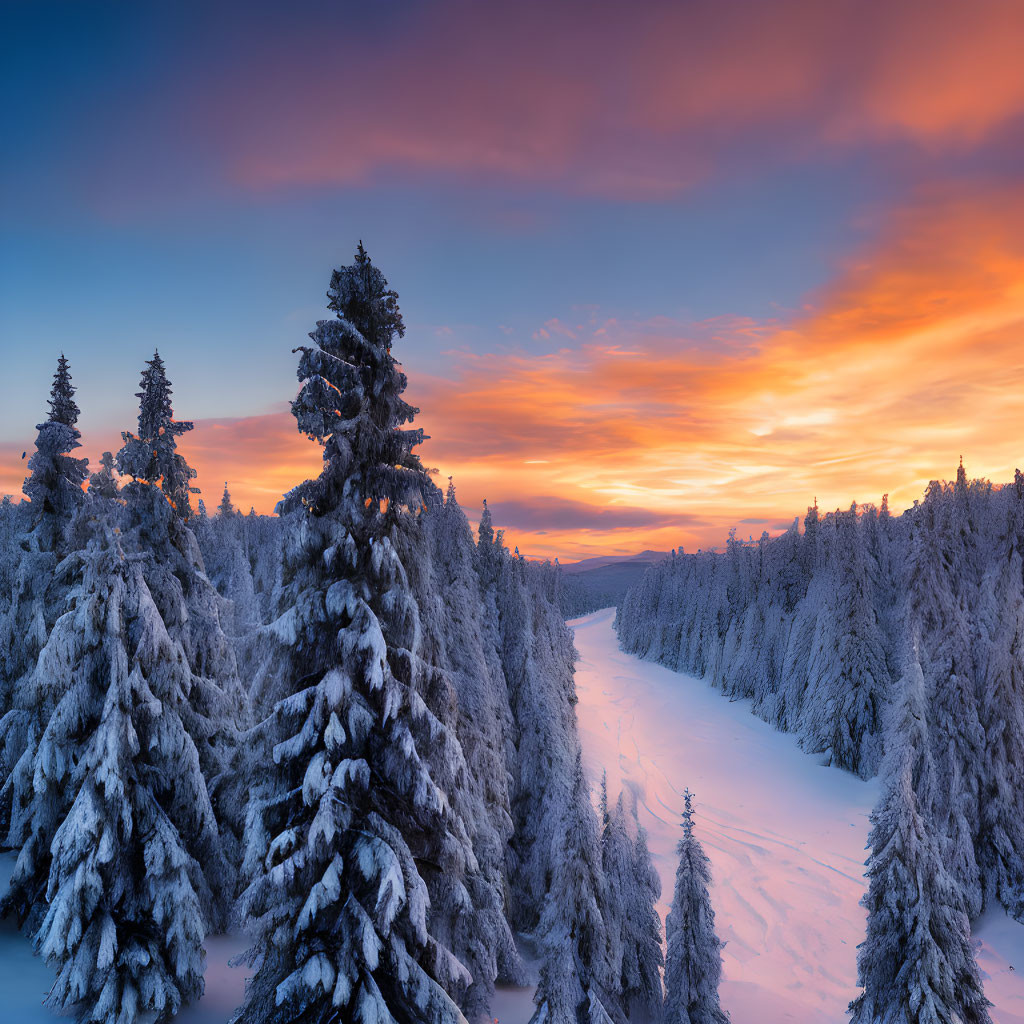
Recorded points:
785,835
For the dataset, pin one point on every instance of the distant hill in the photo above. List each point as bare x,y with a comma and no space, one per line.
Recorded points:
602,561
601,582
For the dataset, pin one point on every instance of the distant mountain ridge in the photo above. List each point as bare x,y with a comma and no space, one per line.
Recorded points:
647,557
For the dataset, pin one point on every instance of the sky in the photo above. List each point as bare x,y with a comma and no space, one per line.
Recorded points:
666,268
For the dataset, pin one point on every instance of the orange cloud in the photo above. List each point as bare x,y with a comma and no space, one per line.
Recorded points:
637,101
910,359
656,434
260,457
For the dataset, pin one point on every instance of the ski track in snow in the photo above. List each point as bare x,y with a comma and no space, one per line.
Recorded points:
785,835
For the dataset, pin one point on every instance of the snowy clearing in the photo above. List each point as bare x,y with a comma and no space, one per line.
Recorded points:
785,835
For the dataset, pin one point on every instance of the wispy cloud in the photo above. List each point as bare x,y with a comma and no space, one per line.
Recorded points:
634,102
906,361
642,434
639,102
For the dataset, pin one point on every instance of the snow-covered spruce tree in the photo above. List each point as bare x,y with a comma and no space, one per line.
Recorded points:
940,603
642,992
916,965
1001,708
54,490
576,980
54,484
693,961
470,696
152,454
537,658
223,544
616,866
843,715
156,508
109,873
218,707
633,890
10,527
351,816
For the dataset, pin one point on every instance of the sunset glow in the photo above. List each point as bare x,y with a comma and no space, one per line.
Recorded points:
661,276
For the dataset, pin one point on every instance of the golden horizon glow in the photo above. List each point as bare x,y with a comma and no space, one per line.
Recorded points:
660,434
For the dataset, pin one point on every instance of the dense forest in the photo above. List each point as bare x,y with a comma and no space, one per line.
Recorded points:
891,644
348,729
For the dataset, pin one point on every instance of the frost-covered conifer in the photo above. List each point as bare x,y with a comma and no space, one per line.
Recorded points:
54,484
617,867
634,928
847,666
457,641
1001,709
352,817
941,597
152,455
693,961
119,828
194,616
916,963
485,531
642,994
8,556
576,979
54,490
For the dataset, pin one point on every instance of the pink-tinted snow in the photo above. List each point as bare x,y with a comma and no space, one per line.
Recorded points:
785,835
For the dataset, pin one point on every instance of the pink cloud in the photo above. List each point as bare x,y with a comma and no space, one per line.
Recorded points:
637,101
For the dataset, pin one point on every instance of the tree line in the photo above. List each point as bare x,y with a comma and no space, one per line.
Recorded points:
348,729
891,644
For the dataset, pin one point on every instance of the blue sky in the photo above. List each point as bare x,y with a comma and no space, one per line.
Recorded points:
186,176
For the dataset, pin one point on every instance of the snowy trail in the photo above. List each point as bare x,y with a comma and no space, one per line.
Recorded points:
785,835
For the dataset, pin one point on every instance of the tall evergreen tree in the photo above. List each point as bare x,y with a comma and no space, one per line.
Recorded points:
470,695
576,979
940,603
109,875
633,890
485,531
916,965
1001,707
847,666
152,456
693,962
54,484
54,490
352,815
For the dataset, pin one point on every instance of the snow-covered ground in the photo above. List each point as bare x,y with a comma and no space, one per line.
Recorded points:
785,835
25,979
